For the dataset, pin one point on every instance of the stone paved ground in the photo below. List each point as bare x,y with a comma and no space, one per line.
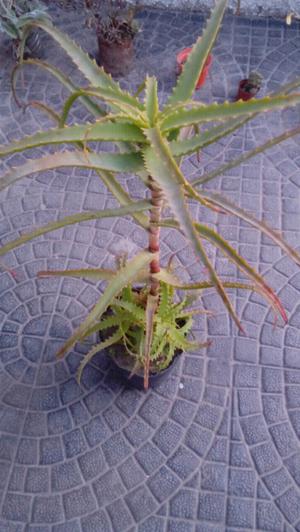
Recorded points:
215,446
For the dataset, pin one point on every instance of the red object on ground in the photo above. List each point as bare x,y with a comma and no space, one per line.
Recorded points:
246,95
181,59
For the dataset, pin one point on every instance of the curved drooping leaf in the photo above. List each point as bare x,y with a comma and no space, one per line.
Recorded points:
122,102
92,107
96,75
131,208
123,277
114,162
98,131
113,339
172,280
252,153
243,266
163,168
199,112
231,208
194,64
93,73
121,196
96,274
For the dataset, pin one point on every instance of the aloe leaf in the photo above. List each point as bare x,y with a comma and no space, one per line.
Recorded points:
45,108
96,75
151,100
242,265
114,338
123,277
97,274
231,208
115,162
198,113
117,100
136,311
151,306
92,107
121,196
93,73
173,281
256,151
193,67
131,208
98,131
204,285
186,146
105,323
163,168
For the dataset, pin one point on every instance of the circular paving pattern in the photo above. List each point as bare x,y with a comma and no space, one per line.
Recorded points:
215,445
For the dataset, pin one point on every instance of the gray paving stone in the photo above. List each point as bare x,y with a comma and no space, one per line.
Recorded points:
213,447
79,502
47,509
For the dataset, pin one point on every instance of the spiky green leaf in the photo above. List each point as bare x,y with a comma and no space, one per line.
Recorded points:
151,100
123,277
205,138
163,168
193,67
89,68
99,131
118,100
92,107
199,112
252,153
132,207
121,196
231,208
97,274
114,162
113,339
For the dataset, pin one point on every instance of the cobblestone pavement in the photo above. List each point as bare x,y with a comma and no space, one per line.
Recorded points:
214,447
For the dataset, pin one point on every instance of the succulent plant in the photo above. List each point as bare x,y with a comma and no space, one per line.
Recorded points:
113,19
16,14
150,141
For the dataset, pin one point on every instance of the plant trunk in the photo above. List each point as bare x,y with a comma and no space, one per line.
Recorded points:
154,234
152,299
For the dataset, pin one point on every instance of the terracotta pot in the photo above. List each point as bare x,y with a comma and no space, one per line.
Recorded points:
246,95
181,59
116,58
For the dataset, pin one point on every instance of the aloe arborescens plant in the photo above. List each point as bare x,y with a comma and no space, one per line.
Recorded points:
151,143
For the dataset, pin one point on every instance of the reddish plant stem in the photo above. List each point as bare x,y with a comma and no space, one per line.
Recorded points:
154,233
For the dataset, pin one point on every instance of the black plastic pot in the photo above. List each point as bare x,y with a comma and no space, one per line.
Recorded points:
136,380
33,48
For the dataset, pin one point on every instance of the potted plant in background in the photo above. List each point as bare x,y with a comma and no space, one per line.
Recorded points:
14,17
150,142
181,58
115,28
249,87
